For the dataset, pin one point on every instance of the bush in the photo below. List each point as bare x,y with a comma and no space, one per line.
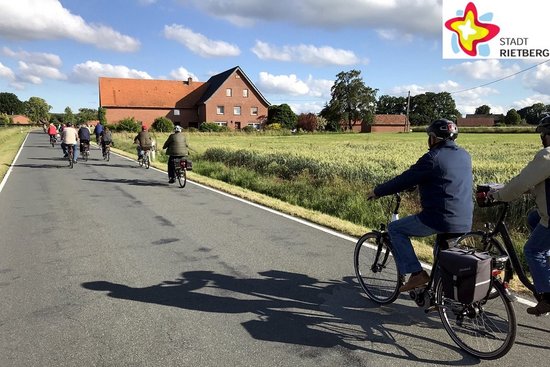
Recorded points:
212,127
249,129
129,124
163,125
276,126
4,119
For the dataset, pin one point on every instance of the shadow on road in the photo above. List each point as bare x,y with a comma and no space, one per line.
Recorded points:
297,309
135,182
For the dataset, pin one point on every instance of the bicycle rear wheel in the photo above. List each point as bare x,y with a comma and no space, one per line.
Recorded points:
70,154
485,329
107,154
375,268
181,174
147,162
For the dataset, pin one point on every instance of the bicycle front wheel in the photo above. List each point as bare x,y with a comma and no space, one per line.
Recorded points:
147,161
485,329
376,269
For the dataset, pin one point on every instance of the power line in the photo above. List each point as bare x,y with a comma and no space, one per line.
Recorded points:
498,80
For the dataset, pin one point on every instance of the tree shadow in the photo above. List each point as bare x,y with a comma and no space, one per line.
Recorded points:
294,309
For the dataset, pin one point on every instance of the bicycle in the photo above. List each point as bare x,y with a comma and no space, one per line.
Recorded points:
180,168
85,150
485,329
107,152
145,159
70,155
487,241
53,140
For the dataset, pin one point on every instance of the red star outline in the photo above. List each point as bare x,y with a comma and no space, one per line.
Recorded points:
491,28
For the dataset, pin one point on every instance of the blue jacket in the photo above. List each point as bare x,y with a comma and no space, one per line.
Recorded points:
84,133
444,179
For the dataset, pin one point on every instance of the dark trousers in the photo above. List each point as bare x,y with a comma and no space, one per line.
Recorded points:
171,166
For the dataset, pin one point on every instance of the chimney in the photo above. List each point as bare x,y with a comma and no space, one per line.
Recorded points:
189,80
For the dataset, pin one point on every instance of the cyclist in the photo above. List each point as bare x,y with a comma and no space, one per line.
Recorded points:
444,179
69,136
84,136
52,131
176,148
536,178
98,129
143,141
106,138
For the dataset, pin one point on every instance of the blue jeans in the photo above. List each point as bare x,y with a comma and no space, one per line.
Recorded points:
75,150
400,232
537,253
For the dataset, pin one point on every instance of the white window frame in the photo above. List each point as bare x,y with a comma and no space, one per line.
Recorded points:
220,110
255,125
228,92
254,111
221,123
176,112
237,109
245,93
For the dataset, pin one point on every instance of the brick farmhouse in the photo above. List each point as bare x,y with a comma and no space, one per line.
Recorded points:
381,124
228,99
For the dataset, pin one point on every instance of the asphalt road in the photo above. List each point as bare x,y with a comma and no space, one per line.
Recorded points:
108,265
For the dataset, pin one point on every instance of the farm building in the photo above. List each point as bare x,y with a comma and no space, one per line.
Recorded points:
228,99
381,124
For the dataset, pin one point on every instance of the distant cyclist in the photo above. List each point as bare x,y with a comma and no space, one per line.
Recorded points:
143,141
52,131
106,138
84,136
176,147
69,137
97,131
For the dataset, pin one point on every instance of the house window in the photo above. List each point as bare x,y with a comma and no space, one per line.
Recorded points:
254,111
176,112
220,110
245,93
237,110
221,123
255,125
228,92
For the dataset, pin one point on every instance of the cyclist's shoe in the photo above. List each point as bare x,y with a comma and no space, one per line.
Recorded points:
415,281
172,180
541,308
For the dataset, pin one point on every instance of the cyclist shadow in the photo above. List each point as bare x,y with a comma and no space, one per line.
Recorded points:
296,309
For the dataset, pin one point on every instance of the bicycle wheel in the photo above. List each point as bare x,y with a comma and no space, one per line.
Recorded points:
493,247
107,154
485,329
70,156
146,160
181,174
85,155
375,269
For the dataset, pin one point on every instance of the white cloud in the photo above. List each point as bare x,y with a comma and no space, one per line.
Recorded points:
538,79
531,100
182,73
198,43
401,16
307,54
394,34
35,73
6,72
48,19
89,71
40,58
299,108
283,84
484,69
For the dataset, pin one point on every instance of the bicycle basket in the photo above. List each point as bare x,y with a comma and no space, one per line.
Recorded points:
482,194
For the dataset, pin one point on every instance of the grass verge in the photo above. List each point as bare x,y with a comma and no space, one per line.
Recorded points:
11,139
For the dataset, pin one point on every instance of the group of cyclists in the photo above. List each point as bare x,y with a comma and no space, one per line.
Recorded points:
176,145
445,183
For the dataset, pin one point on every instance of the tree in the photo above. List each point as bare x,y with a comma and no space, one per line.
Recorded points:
69,116
391,105
332,118
282,114
352,99
483,110
532,114
307,122
512,117
85,115
163,124
430,106
37,110
10,104
101,115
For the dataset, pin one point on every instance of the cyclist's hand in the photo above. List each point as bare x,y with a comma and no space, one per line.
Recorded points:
372,196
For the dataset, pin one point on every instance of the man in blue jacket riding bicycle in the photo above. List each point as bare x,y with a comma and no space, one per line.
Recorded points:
444,179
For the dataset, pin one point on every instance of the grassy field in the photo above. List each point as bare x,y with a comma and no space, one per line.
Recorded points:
11,139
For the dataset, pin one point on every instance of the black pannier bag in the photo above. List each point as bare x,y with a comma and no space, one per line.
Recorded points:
466,274
189,166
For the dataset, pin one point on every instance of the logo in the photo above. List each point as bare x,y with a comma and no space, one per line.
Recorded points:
471,31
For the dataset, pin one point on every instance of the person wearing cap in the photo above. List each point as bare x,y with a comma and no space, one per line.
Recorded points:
444,179
143,141
535,177
176,148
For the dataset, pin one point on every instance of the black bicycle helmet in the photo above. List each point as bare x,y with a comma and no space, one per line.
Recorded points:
544,124
443,129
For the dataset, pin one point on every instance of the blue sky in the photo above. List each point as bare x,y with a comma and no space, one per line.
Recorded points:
291,49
